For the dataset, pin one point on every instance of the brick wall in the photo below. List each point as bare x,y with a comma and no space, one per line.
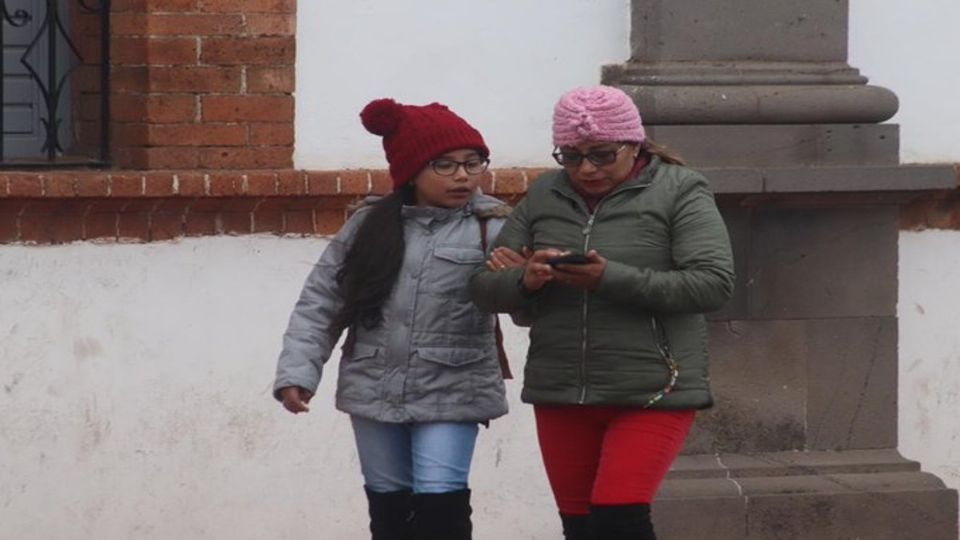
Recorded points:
203,84
142,206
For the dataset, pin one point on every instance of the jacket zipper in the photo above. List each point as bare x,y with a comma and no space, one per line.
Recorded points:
586,294
583,320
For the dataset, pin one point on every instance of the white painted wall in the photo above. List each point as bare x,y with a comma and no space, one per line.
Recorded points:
911,48
135,403
500,64
929,313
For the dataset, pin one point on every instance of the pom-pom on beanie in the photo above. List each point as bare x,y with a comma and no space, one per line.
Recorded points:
414,135
597,113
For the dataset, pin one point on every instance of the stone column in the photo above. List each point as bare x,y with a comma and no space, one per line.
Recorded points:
802,442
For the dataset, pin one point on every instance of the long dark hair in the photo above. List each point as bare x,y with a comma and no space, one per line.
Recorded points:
373,262
650,148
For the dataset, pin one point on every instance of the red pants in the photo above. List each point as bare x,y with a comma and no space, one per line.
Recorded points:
599,455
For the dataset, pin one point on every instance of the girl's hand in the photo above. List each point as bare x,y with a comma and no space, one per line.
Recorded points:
295,399
503,258
581,276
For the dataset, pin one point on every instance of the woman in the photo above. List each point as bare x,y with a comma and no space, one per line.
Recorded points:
419,368
623,250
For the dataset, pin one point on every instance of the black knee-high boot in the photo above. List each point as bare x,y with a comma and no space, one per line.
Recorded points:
391,515
623,522
442,516
577,527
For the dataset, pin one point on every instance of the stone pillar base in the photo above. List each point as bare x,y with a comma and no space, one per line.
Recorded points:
864,494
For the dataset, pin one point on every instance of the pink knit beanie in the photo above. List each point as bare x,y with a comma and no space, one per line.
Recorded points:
598,113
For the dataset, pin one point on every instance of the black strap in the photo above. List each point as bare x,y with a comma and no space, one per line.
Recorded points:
501,351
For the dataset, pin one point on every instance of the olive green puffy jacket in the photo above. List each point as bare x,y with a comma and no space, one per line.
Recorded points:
669,261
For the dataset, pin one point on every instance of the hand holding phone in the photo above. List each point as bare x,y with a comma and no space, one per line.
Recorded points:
569,258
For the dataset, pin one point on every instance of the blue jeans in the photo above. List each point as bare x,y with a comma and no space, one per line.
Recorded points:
432,457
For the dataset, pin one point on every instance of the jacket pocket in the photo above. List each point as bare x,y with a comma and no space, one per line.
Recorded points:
450,269
445,375
363,351
451,356
361,375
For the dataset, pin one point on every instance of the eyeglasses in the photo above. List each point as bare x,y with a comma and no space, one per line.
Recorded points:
572,158
448,167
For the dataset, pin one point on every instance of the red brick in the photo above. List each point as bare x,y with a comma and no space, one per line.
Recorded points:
323,183
262,184
25,185
191,24
278,134
200,224
133,226
533,174
8,227
155,109
355,182
291,182
381,182
126,79
509,181
267,220
486,182
153,6
273,80
262,24
298,222
268,51
236,222
131,134
52,228
153,51
92,184
249,6
161,157
158,184
139,204
166,225
261,157
191,185
330,221
197,135
195,79
59,185
110,206
100,225
126,185
67,227
226,184
241,108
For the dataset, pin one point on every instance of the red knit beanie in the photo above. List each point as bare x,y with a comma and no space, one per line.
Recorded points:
414,135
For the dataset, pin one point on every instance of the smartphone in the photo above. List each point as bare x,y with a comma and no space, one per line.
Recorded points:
570,258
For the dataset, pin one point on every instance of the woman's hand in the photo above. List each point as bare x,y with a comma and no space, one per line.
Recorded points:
504,257
538,273
581,276
295,399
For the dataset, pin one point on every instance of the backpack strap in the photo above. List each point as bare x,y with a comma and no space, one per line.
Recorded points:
501,351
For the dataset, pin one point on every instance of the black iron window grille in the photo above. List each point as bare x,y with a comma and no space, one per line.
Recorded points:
55,89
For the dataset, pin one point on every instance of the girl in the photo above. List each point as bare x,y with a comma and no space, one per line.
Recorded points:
419,368
625,250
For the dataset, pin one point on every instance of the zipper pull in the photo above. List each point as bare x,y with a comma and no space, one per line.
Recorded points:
589,227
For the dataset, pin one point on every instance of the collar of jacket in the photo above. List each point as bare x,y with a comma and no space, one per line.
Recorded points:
641,180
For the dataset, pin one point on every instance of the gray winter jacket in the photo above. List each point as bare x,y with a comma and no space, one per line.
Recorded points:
434,358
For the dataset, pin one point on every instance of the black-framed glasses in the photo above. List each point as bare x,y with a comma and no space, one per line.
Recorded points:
599,158
448,167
